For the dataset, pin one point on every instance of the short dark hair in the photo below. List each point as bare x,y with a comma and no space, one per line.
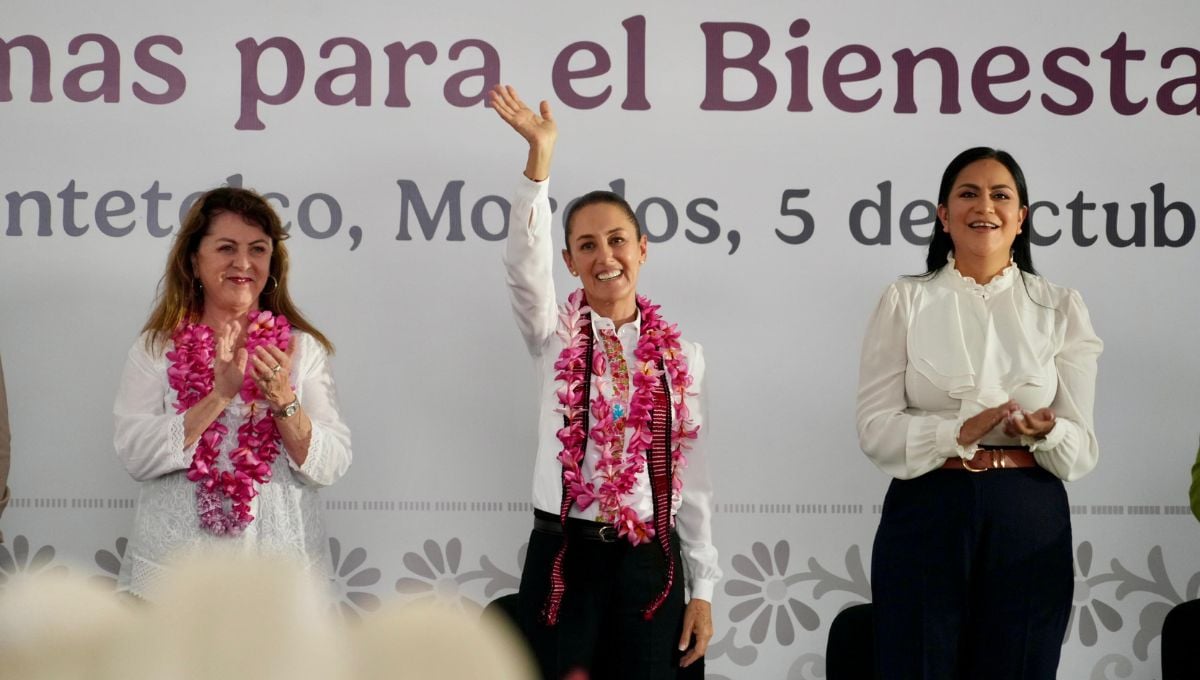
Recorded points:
596,198
941,245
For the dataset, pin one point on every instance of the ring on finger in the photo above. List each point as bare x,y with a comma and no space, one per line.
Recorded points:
277,368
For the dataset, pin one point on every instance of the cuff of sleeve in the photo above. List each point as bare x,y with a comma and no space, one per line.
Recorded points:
176,434
947,440
702,589
530,189
1051,441
312,461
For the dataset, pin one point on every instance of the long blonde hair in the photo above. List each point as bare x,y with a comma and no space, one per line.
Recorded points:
180,296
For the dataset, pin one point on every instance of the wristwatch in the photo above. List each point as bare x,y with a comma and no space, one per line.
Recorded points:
289,410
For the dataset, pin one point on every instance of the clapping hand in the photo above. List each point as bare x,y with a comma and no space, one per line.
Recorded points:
272,374
229,361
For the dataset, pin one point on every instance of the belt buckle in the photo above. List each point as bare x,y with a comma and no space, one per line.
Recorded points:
991,463
607,534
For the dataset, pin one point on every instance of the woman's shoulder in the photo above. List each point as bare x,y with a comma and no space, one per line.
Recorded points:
1050,294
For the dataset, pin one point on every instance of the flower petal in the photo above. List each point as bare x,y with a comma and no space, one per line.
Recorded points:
782,554
804,614
416,564
108,562
743,565
763,556
785,633
758,629
453,554
411,586
365,601
1087,627
743,610
1108,616
366,577
740,588
354,560
433,552
1083,555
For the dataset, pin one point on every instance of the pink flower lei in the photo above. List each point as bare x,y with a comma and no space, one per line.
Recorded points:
191,376
620,462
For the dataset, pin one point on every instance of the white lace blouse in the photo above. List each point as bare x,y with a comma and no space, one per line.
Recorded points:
149,443
938,350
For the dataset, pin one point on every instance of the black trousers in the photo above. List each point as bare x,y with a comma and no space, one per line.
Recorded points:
1180,635
600,627
972,576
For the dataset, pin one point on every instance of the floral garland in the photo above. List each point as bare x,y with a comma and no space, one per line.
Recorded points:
191,376
620,462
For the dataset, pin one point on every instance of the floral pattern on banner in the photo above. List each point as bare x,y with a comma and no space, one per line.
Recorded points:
351,581
768,604
109,562
1156,584
1087,608
767,590
16,562
436,576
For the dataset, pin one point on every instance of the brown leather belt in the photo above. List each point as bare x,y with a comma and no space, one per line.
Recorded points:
993,459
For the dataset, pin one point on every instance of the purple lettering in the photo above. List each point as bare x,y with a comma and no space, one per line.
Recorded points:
635,64
716,64
398,56
168,73
906,64
982,79
39,56
1166,93
562,74
834,78
1074,83
1119,56
252,92
358,72
489,72
109,68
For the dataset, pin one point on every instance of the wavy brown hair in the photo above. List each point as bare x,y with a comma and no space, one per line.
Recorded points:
180,296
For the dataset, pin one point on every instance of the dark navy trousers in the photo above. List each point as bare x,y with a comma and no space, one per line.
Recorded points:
972,576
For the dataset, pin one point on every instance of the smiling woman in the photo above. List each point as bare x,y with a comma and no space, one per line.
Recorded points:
977,366
211,396
621,490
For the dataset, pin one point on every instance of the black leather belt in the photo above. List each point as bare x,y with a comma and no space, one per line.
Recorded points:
577,528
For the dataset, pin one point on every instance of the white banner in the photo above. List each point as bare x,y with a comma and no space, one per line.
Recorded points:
784,158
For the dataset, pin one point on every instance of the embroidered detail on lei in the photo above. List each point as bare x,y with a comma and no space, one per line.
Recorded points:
618,466
191,376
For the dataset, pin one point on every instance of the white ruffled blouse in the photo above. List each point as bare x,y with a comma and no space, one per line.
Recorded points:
940,349
148,439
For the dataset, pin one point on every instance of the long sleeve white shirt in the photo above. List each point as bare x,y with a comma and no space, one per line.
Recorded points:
940,349
149,443
528,259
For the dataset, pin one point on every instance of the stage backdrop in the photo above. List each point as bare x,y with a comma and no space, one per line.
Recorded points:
784,157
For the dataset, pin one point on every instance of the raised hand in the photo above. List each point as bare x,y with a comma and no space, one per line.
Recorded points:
540,130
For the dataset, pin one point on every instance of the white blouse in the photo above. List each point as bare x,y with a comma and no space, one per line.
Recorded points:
940,349
529,259
149,442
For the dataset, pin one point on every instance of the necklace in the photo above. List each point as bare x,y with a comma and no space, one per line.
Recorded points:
621,458
191,376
